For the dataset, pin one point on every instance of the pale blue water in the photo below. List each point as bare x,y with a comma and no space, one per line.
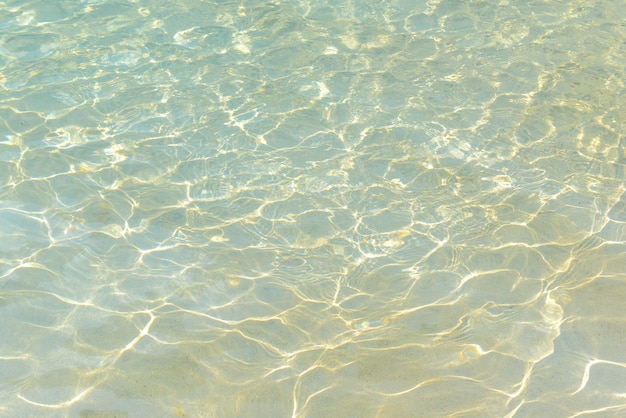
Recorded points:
312,209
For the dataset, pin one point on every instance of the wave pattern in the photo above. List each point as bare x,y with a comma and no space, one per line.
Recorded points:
304,209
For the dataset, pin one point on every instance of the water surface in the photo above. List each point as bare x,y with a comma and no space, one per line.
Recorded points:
312,209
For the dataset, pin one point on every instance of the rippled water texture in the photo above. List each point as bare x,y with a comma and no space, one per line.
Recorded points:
325,209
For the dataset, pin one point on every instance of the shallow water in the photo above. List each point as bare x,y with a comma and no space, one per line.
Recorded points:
378,209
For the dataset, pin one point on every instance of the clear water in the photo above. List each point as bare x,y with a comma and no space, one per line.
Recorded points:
312,209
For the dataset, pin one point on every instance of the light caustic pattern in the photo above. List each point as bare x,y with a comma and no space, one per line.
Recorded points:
289,209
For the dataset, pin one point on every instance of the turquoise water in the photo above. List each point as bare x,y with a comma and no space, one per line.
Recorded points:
312,209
